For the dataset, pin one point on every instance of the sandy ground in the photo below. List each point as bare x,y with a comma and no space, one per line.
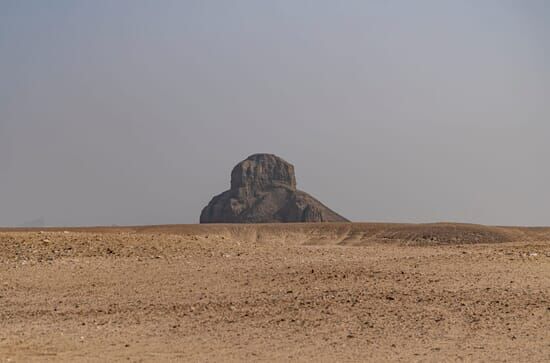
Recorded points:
224,293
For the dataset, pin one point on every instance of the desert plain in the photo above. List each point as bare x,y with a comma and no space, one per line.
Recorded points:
276,292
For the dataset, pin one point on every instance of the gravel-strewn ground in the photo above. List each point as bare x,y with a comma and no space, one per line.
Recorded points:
170,294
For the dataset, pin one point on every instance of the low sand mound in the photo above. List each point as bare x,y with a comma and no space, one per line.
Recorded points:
357,234
448,233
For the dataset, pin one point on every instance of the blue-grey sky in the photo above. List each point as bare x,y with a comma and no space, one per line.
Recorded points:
134,112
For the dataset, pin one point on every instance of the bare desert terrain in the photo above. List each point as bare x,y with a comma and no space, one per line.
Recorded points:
292,292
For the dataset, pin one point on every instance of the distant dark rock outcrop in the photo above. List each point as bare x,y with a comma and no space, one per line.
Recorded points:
263,190
39,222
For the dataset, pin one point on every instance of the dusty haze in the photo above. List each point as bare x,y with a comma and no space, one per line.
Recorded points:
134,112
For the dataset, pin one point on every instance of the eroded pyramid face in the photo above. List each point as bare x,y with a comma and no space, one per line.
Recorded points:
261,171
263,190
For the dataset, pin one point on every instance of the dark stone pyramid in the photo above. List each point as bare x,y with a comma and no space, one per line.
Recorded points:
263,190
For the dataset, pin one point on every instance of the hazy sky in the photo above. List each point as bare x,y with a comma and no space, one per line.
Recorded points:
135,112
